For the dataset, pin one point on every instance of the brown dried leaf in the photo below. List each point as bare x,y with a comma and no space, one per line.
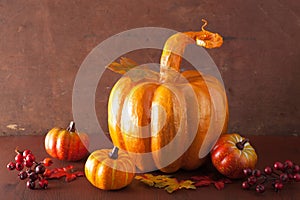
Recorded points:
226,180
145,179
79,173
203,183
172,184
188,184
69,172
172,188
47,173
68,168
127,62
70,177
124,66
219,184
57,175
166,182
200,178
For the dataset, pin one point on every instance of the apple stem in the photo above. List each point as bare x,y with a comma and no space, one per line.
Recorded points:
114,153
240,145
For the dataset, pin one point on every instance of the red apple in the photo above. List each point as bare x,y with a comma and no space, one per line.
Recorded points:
231,154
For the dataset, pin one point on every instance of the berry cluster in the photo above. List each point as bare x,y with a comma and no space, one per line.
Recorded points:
277,175
34,170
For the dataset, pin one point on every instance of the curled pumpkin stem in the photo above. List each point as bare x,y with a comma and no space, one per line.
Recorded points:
205,24
208,39
175,45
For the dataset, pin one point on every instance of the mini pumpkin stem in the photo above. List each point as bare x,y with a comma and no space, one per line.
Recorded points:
114,153
71,127
240,145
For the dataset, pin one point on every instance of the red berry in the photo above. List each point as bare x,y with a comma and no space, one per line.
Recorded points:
296,168
251,180
290,176
19,166
19,158
26,152
284,177
288,164
32,176
278,186
245,185
28,163
40,169
30,184
260,188
297,177
30,158
22,175
247,171
268,170
278,166
28,171
256,173
11,166
43,183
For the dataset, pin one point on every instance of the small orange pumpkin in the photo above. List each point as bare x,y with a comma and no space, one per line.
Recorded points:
109,169
66,144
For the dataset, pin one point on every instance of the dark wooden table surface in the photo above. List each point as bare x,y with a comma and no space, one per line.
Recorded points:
269,149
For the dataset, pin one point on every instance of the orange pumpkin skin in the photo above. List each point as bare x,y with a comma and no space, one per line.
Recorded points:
138,98
66,144
108,173
145,115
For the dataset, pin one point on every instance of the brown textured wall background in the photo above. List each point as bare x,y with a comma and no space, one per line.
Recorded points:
43,43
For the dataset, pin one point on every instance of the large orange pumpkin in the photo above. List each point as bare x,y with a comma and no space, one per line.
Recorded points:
174,117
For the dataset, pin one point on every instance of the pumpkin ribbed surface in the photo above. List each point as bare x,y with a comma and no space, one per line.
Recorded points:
148,115
107,173
67,145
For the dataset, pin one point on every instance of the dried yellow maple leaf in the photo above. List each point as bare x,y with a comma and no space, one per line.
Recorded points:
166,182
137,74
124,66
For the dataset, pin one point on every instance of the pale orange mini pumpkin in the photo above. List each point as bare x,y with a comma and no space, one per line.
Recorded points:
145,115
109,169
